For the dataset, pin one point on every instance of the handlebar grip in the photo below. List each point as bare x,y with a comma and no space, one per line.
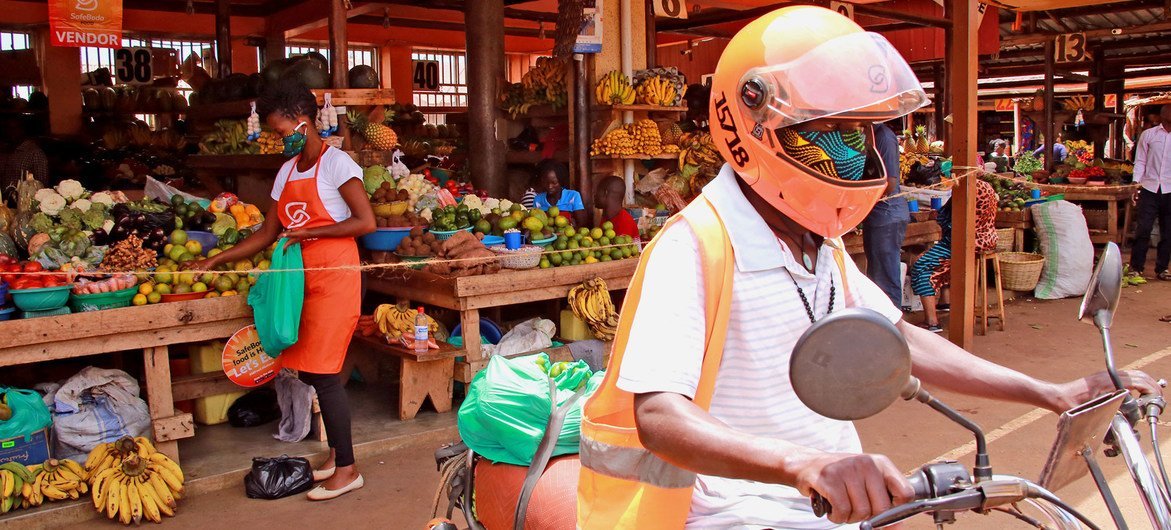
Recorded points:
821,506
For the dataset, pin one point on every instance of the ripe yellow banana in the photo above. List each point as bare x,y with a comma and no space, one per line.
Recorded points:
135,500
112,502
166,499
96,456
150,503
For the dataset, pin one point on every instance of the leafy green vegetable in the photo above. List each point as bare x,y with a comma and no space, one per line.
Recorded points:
374,176
71,218
1026,163
41,223
94,217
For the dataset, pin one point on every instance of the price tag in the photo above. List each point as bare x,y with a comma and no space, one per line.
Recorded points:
1071,48
132,66
245,362
842,8
670,8
426,76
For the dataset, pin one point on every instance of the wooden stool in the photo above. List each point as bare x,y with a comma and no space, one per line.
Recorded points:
982,289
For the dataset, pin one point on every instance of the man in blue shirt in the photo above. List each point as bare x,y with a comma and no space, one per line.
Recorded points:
1059,150
885,228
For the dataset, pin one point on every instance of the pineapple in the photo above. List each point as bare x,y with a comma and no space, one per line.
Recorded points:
671,133
378,136
922,145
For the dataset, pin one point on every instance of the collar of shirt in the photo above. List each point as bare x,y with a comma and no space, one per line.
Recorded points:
754,245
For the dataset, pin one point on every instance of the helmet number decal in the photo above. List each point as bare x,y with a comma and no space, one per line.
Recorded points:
728,123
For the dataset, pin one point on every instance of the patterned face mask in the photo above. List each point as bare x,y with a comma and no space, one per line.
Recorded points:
831,153
295,142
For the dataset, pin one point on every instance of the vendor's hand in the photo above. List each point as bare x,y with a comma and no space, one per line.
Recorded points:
857,486
1134,198
295,236
1074,393
205,264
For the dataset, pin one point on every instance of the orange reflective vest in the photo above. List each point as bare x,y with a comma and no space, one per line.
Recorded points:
622,483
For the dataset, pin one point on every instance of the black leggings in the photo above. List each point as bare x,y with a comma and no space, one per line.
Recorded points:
335,413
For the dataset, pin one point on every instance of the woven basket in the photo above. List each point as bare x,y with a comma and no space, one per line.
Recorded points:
1096,219
1021,270
525,257
1005,237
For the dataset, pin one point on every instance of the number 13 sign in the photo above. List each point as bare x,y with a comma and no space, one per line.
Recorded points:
670,8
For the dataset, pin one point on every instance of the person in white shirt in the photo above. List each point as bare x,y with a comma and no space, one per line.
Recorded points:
789,114
1152,170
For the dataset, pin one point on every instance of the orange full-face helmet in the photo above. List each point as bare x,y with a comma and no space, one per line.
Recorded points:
795,65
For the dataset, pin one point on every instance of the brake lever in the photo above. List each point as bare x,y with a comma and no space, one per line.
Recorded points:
956,502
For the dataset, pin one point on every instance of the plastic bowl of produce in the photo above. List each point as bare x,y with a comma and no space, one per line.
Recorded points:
98,301
491,241
207,240
444,235
387,209
182,297
42,298
385,239
6,314
544,242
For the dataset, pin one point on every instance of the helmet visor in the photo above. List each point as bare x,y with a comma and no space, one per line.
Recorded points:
857,76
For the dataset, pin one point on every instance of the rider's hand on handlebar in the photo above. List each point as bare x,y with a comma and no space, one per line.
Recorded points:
857,486
1074,393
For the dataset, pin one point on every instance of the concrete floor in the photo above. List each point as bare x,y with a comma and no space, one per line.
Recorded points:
1042,339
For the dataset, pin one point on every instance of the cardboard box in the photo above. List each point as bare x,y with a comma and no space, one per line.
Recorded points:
27,450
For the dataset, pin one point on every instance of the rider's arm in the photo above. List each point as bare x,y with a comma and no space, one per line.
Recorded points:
940,363
678,431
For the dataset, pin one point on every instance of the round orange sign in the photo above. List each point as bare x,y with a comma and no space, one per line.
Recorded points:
245,362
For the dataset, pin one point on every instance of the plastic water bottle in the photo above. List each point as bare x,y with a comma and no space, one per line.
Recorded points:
421,329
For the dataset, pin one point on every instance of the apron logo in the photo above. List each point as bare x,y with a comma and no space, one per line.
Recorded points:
298,216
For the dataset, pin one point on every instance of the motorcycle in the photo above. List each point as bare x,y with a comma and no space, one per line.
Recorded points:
835,379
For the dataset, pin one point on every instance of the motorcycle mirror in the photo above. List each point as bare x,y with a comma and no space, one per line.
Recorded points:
850,365
1101,298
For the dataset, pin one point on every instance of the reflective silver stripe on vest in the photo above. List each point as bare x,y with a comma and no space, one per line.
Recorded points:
630,463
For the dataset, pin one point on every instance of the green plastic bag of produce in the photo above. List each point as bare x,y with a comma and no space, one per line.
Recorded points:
26,412
277,297
509,403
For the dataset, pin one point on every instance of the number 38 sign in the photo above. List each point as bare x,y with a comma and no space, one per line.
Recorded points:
670,8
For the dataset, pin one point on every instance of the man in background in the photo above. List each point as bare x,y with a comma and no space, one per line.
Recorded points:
1152,171
885,228
21,155
1058,149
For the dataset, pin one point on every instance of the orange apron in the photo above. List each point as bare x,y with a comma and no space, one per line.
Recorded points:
332,298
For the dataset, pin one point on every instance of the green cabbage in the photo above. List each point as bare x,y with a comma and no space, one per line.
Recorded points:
374,176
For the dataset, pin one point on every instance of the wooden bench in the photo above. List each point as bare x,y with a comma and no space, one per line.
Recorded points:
423,374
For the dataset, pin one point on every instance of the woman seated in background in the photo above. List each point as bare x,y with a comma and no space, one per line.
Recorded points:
552,177
932,271
998,156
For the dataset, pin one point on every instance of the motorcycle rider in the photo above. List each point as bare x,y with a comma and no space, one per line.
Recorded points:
675,438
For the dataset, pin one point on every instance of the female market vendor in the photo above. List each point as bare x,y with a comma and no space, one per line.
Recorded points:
932,271
552,177
322,206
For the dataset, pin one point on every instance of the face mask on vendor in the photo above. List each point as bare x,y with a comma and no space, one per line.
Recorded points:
834,153
295,142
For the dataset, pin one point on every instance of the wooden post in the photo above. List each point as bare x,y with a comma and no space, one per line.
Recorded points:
62,84
940,104
580,124
1119,127
652,41
485,58
1098,90
339,58
274,47
961,73
223,37
1050,135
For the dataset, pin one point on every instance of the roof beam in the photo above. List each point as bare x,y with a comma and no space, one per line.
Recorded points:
451,5
1041,38
725,16
434,24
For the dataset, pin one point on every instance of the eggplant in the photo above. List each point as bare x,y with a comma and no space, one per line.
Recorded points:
158,234
119,232
100,237
139,220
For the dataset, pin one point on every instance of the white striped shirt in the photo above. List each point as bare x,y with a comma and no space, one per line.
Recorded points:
753,393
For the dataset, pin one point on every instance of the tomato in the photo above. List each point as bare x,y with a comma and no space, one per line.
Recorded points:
33,266
5,259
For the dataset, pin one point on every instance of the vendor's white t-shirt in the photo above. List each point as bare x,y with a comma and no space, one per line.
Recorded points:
753,393
336,168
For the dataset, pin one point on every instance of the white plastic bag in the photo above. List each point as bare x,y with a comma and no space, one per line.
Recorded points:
159,190
1064,239
96,406
530,335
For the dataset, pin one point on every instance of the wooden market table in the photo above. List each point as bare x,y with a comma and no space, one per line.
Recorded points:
151,328
470,294
1111,195
918,233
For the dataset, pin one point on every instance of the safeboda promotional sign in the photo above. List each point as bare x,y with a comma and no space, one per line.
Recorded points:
76,23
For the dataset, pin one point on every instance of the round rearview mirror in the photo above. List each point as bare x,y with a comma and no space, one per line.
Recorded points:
850,365
1101,298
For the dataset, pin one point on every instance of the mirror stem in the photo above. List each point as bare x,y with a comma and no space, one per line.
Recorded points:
1100,318
983,468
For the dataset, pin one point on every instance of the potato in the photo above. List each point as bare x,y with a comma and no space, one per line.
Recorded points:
417,232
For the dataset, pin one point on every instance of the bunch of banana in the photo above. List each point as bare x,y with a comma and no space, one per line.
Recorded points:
16,487
657,91
670,74
57,480
230,137
270,143
546,82
394,320
699,150
617,142
591,302
614,89
141,483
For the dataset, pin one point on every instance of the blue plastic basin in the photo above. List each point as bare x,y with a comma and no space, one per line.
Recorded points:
385,239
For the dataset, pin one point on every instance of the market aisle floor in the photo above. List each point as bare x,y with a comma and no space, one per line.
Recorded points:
1042,339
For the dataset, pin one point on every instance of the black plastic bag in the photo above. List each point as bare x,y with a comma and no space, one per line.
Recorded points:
274,478
254,408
